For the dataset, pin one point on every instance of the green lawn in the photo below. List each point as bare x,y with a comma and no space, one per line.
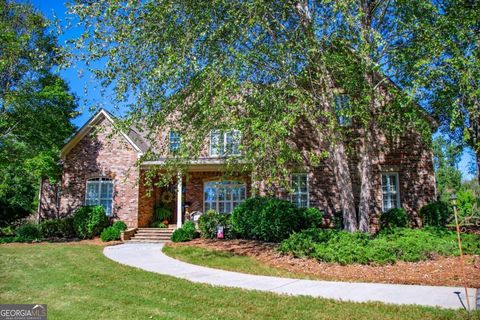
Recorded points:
227,261
78,282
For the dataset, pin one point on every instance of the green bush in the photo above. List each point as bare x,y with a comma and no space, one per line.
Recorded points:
186,233
268,219
120,225
28,232
161,214
89,221
313,218
210,220
436,214
57,228
387,247
394,218
110,234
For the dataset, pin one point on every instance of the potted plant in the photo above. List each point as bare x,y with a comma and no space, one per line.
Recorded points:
162,214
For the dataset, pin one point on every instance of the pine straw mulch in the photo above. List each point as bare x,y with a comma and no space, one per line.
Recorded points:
442,271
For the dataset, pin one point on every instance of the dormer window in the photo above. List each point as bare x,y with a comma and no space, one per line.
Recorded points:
174,140
224,143
342,104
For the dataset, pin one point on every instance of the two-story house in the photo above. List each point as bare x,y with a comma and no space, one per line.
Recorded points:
100,167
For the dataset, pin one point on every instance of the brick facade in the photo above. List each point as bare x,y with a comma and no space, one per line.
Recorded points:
103,154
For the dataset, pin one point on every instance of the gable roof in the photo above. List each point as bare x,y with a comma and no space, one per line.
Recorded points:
133,136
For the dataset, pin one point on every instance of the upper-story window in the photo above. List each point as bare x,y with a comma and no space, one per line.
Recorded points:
223,143
100,192
174,140
300,195
390,191
342,104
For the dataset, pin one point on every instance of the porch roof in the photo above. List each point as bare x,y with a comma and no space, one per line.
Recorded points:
199,164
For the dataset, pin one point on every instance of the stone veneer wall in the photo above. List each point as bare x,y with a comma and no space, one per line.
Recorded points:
102,154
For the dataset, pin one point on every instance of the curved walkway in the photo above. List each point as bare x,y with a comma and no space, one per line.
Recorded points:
150,257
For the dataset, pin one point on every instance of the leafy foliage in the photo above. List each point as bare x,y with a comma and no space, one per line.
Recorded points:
28,232
186,233
89,221
110,234
271,219
387,247
210,220
394,218
35,108
120,225
436,214
59,228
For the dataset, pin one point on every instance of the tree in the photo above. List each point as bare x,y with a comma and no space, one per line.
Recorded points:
264,68
35,108
446,158
449,79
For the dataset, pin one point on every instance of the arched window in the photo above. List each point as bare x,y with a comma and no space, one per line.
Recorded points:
224,196
100,192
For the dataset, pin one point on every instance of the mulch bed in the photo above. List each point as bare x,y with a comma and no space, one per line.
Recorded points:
442,271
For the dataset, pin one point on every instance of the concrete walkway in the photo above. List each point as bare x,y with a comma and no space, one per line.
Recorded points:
151,258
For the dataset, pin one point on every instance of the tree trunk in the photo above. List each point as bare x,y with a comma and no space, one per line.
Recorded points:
344,185
366,178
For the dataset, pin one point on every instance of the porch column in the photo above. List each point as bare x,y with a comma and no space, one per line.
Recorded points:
179,200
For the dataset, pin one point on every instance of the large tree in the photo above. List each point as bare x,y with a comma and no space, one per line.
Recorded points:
265,68
35,108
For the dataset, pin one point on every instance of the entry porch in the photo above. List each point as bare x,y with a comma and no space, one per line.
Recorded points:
203,187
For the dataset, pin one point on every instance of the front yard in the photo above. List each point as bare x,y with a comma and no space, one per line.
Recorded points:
78,282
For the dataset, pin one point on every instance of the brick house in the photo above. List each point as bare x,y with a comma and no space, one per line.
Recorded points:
100,167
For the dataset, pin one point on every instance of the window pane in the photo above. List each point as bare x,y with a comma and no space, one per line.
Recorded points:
106,190
299,195
92,190
175,140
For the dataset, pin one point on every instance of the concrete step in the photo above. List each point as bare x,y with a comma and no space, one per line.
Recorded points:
155,230
151,237
133,240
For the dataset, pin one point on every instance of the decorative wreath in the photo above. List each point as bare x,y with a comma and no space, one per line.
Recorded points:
167,197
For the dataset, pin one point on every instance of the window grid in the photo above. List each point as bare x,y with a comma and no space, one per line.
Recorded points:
300,195
342,103
100,192
223,196
390,191
224,143
175,140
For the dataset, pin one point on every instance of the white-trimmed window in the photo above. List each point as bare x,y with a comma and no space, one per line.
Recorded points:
390,191
342,104
223,196
300,194
100,192
174,140
224,143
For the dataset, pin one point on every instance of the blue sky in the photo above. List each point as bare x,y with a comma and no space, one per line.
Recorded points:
86,88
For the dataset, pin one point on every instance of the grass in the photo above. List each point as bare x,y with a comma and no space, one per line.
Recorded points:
227,261
77,282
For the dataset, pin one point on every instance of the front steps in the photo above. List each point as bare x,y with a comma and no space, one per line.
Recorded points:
152,235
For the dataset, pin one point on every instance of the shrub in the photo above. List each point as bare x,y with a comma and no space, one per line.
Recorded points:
394,218
313,218
28,232
436,214
210,220
186,233
387,247
120,225
110,234
267,219
89,221
59,228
